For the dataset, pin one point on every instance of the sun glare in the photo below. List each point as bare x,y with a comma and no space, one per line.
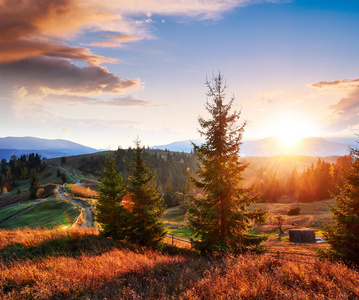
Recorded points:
290,129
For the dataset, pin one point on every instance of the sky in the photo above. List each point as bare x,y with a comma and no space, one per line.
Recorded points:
101,73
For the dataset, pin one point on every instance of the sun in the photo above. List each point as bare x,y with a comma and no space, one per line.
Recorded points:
289,129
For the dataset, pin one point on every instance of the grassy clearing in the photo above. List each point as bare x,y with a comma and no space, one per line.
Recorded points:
175,221
77,263
46,214
11,211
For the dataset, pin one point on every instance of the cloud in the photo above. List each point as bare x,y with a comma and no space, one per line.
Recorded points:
17,50
125,101
345,113
60,76
37,59
346,83
114,40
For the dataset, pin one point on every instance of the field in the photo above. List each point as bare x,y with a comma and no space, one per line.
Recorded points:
78,263
45,214
11,211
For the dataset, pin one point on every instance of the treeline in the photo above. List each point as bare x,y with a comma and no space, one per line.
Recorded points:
318,182
19,168
171,170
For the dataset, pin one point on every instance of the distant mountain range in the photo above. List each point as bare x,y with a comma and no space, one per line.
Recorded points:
272,146
10,146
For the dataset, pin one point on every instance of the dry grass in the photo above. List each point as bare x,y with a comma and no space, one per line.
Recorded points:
82,192
81,264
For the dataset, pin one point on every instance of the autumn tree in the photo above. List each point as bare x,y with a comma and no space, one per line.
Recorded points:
220,218
146,226
278,221
343,234
110,213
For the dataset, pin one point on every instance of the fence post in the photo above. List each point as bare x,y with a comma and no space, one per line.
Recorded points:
172,239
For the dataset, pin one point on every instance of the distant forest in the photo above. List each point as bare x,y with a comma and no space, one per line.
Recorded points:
171,170
297,177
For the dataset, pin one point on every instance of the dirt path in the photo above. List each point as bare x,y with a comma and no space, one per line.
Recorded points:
87,214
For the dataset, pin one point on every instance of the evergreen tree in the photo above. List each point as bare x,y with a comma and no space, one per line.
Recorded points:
220,218
343,234
147,228
34,185
110,213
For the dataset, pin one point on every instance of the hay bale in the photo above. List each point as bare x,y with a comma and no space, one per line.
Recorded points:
302,235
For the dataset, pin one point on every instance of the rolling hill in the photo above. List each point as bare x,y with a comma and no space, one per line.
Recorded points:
46,148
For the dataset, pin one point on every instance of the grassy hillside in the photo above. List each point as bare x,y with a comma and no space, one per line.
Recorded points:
45,214
78,264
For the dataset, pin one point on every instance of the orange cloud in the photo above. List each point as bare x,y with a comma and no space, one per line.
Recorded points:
115,40
336,83
17,50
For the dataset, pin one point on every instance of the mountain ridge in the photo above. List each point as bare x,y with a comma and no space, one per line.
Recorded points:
49,148
271,146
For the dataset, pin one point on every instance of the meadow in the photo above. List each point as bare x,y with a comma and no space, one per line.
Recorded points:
48,213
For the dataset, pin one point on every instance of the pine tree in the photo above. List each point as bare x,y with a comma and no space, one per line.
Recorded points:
220,218
343,234
147,228
110,213
34,185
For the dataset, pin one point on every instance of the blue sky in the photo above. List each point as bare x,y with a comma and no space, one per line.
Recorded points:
102,72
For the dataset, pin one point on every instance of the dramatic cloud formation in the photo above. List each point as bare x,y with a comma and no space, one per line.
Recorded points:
36,60
345,114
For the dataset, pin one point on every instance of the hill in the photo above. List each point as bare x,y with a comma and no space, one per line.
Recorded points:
46,148
313,146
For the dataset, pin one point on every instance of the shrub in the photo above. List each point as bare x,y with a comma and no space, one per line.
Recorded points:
294,211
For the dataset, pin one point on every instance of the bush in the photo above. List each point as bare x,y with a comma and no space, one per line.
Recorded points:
294,211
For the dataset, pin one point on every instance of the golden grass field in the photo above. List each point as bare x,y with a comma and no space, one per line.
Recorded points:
82,192
77,263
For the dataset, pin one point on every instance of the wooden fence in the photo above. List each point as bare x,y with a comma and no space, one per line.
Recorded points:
173,238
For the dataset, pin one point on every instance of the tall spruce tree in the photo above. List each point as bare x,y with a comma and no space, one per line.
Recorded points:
343,233
110,213
147,228
220,218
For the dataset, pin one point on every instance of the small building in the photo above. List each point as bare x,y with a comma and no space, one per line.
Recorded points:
302,235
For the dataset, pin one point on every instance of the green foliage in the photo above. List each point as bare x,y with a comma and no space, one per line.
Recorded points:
343,234
220,217
294,211
34,185
111,215
147,228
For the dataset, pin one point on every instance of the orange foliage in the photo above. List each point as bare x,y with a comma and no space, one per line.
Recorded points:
40,193
127,202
